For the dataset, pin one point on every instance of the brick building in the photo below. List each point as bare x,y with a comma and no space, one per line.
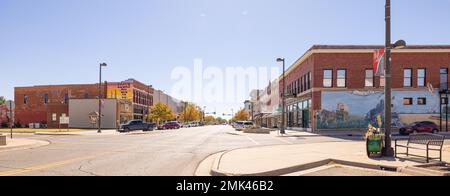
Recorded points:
45,104
334,87
38,104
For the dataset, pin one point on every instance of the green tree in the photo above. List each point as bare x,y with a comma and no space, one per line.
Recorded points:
161,112
242,115
2,100
191,113
210,119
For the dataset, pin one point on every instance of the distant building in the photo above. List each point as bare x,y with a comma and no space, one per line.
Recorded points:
122,101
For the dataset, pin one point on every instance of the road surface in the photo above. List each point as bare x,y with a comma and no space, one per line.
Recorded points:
158,153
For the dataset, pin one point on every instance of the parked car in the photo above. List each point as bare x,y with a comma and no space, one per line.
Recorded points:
419,127
245,125
186,125
169,125
237,123
135,125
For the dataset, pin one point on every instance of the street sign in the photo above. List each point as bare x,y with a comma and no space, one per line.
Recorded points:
10,105
64,120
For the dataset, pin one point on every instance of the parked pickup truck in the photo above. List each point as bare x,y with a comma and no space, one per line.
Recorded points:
135,125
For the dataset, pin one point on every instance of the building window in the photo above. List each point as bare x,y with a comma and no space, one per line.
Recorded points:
66,98
382,81
309,80
407,78
25,99
422,101
444,79
342,78
327,78
407,101
46,99
421,77
299,86
369,78
305,80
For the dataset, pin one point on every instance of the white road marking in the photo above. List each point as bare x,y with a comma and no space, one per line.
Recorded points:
249,138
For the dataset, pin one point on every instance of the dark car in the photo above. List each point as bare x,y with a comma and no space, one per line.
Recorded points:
135,125
420,127
169,125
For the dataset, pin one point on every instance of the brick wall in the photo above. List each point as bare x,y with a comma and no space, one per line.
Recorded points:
37,111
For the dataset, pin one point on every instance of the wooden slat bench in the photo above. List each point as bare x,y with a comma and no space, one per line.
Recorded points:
423,141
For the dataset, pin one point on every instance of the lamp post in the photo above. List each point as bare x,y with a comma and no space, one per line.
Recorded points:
204,114
283,98
100,96
389,151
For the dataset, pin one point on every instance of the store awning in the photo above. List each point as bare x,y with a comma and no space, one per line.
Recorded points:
274,115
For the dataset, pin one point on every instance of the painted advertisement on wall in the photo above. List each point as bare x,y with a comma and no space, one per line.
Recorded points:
122,91
356,110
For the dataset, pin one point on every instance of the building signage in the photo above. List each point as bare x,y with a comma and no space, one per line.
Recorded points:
379,62
364,93
121,90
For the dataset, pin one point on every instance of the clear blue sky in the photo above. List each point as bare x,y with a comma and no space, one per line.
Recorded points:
63,41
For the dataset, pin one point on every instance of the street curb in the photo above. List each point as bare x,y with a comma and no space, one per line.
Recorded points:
419,171
204,161
308,166
39,143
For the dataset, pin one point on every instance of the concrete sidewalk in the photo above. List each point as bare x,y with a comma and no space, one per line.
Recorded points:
93,133
271,160
291,133
88,132
21,143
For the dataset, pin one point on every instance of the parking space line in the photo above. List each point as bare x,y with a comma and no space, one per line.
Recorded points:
252,140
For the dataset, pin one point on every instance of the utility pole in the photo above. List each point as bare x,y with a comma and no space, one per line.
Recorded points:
388,150
100,96
283,97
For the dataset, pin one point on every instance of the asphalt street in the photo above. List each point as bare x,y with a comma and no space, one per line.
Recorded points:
158,153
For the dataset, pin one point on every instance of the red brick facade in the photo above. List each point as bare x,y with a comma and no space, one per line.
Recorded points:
37,104
356,60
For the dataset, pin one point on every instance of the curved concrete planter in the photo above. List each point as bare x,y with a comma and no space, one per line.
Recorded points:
257,131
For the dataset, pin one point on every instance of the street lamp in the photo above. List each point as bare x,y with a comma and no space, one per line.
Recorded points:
100,96
389,151
283,98
204,114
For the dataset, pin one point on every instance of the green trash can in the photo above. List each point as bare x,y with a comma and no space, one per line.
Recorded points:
375,145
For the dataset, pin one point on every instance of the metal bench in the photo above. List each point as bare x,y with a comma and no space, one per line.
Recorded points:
424,141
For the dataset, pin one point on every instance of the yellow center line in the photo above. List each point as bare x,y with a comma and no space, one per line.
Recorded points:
59,163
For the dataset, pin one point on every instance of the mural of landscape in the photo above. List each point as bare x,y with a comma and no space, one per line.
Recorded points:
356,110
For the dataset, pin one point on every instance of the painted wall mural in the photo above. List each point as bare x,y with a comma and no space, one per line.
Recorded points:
356,109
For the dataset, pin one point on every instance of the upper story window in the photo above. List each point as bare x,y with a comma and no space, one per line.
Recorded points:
407,78
407,101
46,99
309,80
421,77
342,78
327,78
66,98
444,78
369,78
422,101
25,99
